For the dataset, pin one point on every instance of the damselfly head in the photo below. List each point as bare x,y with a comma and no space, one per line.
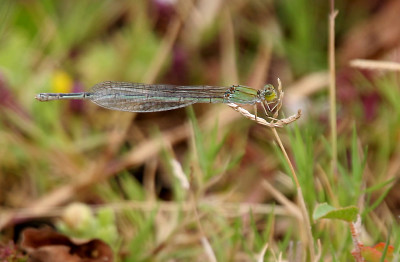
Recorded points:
269,93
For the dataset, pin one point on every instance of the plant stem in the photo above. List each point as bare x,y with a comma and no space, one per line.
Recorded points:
303,207
332,86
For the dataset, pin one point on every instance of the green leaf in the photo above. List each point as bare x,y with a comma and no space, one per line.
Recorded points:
327,211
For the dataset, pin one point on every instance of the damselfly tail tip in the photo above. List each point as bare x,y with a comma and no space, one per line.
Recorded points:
39,97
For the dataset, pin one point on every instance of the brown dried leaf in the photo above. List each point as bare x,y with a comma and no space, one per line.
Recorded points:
47,245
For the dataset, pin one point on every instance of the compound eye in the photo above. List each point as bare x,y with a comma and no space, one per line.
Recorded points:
268,89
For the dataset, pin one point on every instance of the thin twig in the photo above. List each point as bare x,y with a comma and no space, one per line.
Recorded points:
279,123
332,86
303,207
375,65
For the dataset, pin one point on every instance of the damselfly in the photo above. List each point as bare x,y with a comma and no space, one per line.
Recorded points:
137,97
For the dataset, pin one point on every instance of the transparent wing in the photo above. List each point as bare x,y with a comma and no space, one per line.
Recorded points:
137,97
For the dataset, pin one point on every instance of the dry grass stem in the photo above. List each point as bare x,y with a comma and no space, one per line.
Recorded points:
375,65
307,225
179,174
208,249
307,85
302,204
319,249
332,87
292,208
229,209
262,254
204,241
324,180
278,123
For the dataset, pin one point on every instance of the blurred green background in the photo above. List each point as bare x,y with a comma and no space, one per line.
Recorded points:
56,153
